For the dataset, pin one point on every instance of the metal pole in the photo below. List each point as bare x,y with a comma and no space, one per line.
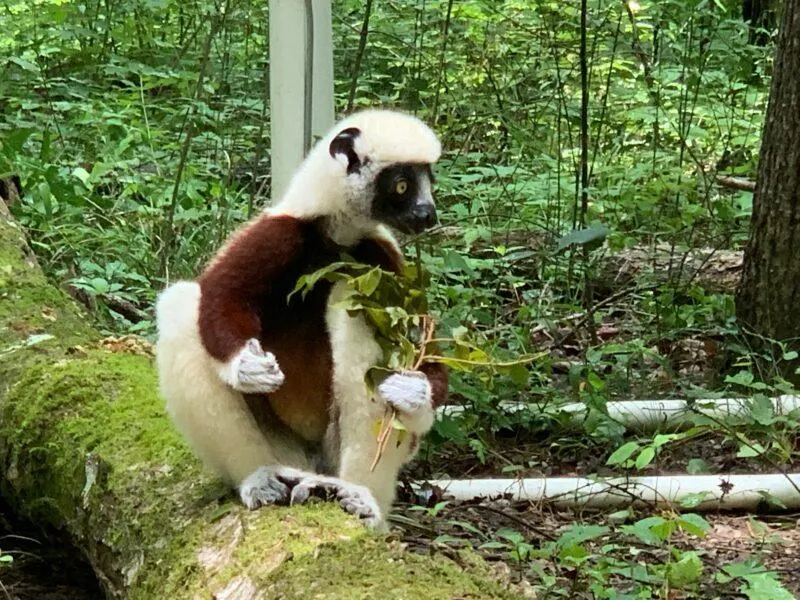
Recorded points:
301,82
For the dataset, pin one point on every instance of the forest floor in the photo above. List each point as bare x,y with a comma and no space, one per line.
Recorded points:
769,544
523,455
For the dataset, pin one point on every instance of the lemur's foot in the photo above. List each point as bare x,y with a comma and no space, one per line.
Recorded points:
269,485
354,499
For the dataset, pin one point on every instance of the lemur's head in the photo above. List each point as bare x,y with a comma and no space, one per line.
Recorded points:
373,168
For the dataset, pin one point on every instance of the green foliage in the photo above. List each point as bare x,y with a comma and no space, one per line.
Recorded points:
395,307
140,132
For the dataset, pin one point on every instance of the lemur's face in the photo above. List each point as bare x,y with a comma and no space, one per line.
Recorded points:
403,198
398,195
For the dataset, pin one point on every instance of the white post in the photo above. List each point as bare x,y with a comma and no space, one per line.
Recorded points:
301,82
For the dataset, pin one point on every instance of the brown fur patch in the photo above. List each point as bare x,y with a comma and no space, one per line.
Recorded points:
244,295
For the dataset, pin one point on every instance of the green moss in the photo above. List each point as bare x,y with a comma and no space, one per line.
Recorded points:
148,507
30,307
370,568
99,419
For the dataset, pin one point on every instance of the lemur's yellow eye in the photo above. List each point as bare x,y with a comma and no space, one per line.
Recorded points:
401,186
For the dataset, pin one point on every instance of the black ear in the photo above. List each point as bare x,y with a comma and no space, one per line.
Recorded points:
343,144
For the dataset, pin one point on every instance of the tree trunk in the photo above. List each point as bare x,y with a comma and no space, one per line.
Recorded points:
770,290
85,447
760,17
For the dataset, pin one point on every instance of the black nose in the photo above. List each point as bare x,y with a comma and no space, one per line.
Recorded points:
425,214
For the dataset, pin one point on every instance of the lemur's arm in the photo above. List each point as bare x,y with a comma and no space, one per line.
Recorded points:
231,288
415,394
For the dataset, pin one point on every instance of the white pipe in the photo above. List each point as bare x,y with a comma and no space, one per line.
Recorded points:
646,414
745,491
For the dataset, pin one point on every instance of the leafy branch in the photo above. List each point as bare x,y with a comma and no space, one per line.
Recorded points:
396,308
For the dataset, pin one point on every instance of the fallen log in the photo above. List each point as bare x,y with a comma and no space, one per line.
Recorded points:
716,270
736,183
85,448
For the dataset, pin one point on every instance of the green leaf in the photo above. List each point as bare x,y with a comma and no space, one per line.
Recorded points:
512,469
743,378
368,283
595,381
643,530
24,64
739,569
764,586
453,261
762,410
459,333
694,524
99,285
513,536
772,500
15,140
623,453
693,500
662,439
685,571
449,428
645,457
518,373
697,465
750,450
82,174
665,529
469,527
493,546
575,553
590,237
577,534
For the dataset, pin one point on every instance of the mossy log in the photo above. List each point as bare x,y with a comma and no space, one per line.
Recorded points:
86,448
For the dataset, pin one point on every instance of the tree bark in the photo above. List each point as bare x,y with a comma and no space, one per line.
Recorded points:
770,289
85,447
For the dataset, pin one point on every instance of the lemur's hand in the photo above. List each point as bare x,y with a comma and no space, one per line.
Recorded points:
253,371
410,394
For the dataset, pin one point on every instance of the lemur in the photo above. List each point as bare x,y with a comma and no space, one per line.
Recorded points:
271,392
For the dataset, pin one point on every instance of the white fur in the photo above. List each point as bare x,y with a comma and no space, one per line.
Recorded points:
211,415
253,371
217,423
354,352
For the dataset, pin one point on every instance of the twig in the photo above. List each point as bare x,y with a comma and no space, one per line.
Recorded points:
642,55
516,519
442,77
387,422
362,46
